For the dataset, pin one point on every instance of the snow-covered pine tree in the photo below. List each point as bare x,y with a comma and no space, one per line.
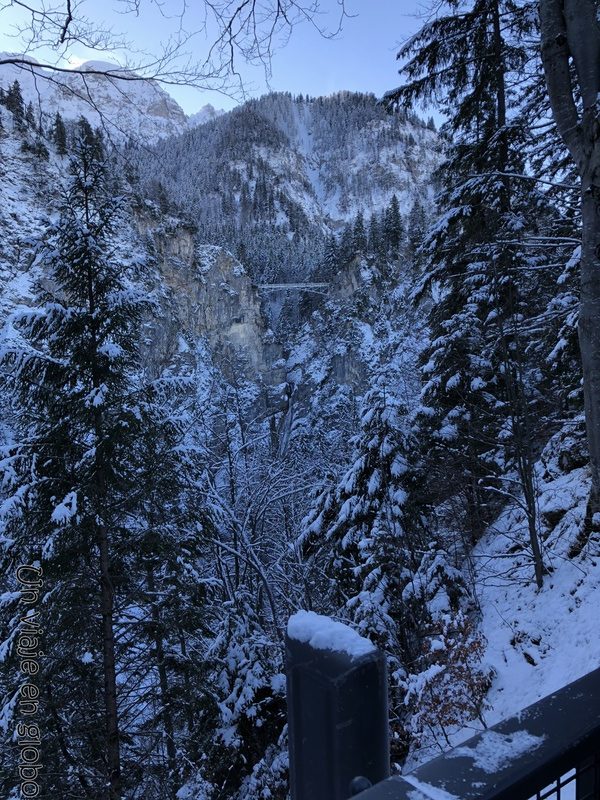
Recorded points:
69,364
30,115
374,235
364,538
416,228
570,48
480,386
346,249
359,526
14,102
249,686
557,345
359,234
330,258
59,135
371,555
393,227
163,624
446,684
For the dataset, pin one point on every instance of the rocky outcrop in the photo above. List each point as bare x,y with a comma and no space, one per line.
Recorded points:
103,93
207,295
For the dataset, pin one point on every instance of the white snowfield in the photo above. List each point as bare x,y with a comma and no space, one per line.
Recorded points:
324,633
539,641
206,114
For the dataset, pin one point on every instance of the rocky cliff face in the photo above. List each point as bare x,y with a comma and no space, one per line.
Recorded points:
122,107
206,294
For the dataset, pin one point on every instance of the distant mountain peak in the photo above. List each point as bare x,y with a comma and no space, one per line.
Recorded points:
206,114
100,66
139,109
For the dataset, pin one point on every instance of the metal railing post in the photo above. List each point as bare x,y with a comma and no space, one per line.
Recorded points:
337,710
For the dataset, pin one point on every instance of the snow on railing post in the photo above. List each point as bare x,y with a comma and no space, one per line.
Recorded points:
337,709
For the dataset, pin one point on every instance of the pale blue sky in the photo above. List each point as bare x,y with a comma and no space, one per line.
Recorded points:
361,58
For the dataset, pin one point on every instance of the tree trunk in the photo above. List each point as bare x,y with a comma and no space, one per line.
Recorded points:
501,108
570,30
589,326
510,338
62,742
189,707
163,681
110,674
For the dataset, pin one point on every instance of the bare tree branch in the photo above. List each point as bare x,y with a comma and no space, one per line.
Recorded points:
236,31
68,21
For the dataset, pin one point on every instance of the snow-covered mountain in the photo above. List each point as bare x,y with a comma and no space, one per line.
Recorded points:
279,163
116,100
206,114
330,157
272,179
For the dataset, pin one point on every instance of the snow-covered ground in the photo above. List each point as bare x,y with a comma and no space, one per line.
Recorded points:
541,640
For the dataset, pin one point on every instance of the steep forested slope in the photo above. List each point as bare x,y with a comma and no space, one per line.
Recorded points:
192,460
272,178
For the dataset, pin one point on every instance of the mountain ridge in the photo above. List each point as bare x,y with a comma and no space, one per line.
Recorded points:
274,178
110,97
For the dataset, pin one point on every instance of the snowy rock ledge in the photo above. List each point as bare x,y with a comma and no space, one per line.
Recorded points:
324,633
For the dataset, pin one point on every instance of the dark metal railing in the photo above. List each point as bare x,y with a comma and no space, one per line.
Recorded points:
549,751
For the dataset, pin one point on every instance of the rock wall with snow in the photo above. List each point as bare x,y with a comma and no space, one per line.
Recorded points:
118,101
204,293
208,295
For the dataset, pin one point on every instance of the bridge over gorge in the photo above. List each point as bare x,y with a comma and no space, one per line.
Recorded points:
308,287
